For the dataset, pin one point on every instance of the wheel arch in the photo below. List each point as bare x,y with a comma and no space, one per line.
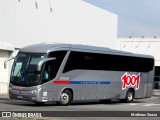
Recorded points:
124,93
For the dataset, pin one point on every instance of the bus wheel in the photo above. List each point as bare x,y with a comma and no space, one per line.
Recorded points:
129,96
65,98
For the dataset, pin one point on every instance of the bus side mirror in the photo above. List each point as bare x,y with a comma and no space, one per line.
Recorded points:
40,64
7,60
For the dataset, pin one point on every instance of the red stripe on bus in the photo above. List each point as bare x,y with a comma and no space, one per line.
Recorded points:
61,82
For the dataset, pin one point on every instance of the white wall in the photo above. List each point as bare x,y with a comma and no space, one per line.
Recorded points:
148,46
4,73
71,21
6,51
7,20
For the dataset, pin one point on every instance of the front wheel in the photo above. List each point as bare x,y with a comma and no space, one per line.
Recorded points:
65,98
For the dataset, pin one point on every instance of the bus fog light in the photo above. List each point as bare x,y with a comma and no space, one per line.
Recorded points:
33,91
44,99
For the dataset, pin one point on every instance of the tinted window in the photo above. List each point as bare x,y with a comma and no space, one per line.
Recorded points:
94,61
49,71
24,71
126,63
157,70
59,55
35,58
89,61
51,68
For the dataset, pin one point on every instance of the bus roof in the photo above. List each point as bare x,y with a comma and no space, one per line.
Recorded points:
49,47
44,47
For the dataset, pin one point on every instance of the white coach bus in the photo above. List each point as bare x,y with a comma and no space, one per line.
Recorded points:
65,73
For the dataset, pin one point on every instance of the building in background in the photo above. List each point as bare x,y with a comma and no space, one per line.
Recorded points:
148,46
6,51
25,22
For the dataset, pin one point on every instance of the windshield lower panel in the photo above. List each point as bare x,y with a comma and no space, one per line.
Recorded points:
24,71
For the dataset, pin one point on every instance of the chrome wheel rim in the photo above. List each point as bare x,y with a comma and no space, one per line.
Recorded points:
130,96
64,98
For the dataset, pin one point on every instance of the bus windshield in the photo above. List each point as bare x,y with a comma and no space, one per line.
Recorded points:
24,71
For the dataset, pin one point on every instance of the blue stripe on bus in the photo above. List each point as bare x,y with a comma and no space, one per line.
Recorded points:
90,82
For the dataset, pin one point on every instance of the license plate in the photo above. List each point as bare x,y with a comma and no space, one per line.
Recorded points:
19,96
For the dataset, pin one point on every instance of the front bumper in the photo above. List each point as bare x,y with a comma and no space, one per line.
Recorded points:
28,95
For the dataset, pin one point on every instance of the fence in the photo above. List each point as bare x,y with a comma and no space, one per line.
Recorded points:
3,88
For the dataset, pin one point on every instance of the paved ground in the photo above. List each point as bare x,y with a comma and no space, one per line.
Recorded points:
150,104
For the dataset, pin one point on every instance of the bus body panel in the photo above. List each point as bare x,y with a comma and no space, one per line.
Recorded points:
87,86
98,91
150,83
47,91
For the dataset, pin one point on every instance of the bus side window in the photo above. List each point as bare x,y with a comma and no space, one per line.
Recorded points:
52,67
59,55
49,71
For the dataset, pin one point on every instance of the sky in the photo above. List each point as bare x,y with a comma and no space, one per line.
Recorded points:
136,18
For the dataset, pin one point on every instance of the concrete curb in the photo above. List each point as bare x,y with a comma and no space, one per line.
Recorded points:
4,97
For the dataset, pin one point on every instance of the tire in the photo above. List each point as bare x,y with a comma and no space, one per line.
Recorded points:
65,98
129,96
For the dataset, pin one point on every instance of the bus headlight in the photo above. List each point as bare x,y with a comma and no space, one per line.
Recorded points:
38,90
35,91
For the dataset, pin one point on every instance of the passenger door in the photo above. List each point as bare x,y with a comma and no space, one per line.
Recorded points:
48,74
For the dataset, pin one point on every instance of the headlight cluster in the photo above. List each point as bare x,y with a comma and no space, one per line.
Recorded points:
35,91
